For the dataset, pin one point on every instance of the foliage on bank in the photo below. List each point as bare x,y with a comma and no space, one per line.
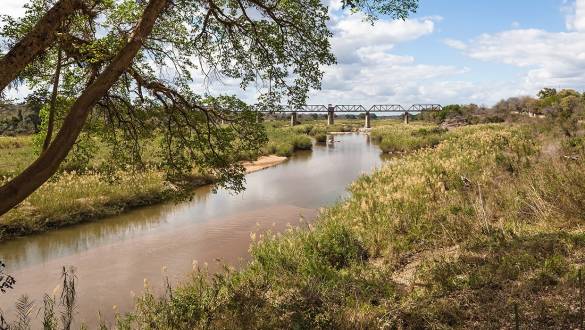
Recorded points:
399,138
89,188
431,240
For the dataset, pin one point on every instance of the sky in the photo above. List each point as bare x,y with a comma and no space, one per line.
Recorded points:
450,51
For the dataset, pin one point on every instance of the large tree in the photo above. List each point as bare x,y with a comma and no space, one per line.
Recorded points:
130,66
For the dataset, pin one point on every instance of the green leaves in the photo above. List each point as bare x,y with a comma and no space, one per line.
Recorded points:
397,9
277,47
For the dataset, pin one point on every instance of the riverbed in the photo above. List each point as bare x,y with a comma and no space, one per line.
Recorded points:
114,256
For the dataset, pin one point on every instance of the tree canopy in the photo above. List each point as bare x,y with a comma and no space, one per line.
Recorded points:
126,71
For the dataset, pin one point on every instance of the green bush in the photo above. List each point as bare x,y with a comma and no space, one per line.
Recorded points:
337,246
284,141
321,137
404,138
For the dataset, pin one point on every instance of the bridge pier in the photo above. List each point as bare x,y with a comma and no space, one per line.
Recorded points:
330,115
368,120
293,118
406,119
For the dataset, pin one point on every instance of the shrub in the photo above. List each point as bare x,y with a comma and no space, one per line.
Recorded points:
321,137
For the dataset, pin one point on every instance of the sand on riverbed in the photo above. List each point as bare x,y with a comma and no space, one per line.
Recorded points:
263,162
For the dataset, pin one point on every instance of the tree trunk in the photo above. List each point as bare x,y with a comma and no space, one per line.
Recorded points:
53,104
48,162
42,35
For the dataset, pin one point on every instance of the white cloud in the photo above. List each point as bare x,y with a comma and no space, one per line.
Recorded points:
550,59
13,8
457,44
368,72
352,33
576,19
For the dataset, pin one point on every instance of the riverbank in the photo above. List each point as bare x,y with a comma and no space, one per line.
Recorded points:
263,162
431,240
212,226
78,196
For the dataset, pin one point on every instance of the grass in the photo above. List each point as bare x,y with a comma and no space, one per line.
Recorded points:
404,138
16,153
431,240
284,141
77,195
72,198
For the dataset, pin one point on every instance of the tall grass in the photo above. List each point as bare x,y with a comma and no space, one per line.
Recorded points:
80,194
404,138
431,240
285,141
484,230
72,198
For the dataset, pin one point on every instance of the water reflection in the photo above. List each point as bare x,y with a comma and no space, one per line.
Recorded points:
128,248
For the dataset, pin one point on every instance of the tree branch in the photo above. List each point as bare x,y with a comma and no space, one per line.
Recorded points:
42,35
19,188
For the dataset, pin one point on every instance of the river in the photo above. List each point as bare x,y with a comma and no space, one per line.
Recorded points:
114,256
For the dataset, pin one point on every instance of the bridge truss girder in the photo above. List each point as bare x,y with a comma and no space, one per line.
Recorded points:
425,107
310,108
386,108
349,108
317,108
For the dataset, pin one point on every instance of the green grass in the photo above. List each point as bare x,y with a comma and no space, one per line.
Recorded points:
284,141
405,138
82,194
431,240
16,153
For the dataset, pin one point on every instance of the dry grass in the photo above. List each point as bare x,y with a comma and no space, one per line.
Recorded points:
82,194
483,230
432,240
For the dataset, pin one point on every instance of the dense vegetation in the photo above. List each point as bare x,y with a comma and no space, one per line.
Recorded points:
90,188
18,119
565,108
402,138
431,240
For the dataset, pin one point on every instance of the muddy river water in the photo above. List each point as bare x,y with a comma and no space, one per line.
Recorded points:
113,256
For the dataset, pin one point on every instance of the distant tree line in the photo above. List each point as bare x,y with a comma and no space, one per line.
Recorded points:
565,107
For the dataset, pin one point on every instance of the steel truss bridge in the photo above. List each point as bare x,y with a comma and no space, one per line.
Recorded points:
315,108
330,110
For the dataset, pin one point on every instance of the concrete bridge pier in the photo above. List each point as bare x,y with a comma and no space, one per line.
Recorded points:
293,119
330,115
406,117
368,120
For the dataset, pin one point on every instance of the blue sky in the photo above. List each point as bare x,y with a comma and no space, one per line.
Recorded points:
459,51
450,51
465,20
